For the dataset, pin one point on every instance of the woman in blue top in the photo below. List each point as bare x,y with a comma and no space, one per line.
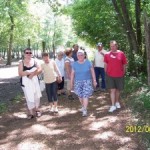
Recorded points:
83,79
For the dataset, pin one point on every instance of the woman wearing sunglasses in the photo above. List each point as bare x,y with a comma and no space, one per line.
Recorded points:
28,70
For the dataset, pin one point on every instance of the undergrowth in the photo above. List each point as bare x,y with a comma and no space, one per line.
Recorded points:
137,97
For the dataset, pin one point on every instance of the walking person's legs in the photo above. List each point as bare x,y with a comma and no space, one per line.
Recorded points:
113,99
103,84
97,74
54,95
49,95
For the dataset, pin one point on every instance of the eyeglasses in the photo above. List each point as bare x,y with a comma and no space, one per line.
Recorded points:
28,52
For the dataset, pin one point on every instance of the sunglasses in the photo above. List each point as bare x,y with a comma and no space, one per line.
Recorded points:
28,52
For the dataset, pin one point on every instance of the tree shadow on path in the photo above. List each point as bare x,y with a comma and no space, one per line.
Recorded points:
68,130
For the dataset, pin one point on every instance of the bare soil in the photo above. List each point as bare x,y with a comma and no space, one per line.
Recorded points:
67,130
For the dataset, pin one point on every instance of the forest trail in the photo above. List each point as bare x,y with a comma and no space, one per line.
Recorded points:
67,130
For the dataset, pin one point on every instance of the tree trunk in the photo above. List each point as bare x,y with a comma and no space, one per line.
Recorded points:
53,41
43,46
29,43
129,37
147,43
128,23
138,24
10,46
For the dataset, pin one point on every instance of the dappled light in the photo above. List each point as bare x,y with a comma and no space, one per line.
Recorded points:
32,145
67,129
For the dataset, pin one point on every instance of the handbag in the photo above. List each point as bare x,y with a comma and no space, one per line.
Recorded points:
42,85
41,82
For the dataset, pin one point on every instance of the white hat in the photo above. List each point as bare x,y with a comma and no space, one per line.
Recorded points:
80,51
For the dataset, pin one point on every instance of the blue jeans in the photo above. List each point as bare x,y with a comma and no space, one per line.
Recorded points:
100,71
51,91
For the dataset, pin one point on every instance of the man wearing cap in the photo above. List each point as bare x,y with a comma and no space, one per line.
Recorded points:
99,66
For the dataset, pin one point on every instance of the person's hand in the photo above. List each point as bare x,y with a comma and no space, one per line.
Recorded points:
59,79
31,75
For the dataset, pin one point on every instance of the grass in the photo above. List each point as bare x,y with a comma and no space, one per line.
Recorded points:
4,106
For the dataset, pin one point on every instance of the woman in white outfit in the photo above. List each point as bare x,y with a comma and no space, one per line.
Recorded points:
28,70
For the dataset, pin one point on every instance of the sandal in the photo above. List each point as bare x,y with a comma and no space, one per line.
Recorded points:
38,114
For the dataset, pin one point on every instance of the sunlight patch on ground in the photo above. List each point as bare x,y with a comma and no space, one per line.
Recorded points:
102,108
44,130
123,140
98,125
65,111
15,132
45,118
20,115
6,73
104,135
37,128
30,144
101,97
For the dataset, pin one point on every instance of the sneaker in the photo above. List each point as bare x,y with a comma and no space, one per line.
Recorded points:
81,109
117,105
38,113
56,110
112,109
84,113
51,109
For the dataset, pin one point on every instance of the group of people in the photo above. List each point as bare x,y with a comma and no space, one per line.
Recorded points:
80,74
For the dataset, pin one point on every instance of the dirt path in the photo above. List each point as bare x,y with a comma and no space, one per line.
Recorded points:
68,130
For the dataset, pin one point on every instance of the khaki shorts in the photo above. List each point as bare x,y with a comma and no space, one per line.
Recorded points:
114,82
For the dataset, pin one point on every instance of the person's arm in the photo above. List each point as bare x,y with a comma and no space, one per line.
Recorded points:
93,76
72,79
124,68
37,71
20,70
59,77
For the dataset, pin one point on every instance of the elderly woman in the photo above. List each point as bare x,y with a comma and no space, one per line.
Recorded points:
82,80
28,70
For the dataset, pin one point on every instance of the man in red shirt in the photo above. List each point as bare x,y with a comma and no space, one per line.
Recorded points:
115,66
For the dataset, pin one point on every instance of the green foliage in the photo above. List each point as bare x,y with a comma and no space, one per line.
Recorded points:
96,21
3,107
17,98
137,95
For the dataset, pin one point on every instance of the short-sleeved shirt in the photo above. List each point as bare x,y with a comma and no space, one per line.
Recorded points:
82,71
115,63
49,72
99,58
61,65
